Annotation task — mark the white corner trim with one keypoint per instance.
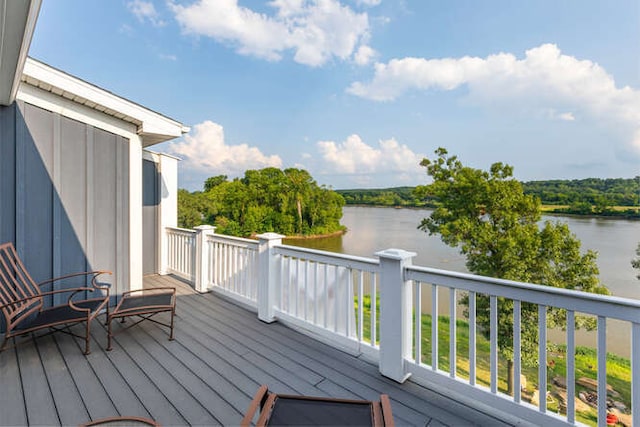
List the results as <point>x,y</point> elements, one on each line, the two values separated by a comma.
<point>30,25</point>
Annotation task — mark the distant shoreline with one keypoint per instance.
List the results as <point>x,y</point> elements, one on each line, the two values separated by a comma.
<point>545,210</point>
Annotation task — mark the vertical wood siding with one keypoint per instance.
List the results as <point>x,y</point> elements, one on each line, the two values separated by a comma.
<point>63,194</point>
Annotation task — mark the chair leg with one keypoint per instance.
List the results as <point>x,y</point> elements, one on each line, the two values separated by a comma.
<point>173,313</point>
<point>109,334</point>
<point>87,338</point>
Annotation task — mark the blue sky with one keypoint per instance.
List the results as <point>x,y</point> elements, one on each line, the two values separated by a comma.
<point>359,91</point>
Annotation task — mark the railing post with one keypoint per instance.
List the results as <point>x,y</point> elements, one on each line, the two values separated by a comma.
<point>201,255</point>
<point>268,276</point>
<point>395,313</point>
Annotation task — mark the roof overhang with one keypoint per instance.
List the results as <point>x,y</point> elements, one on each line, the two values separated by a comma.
<point>152,127</point>
<point>17,22</point>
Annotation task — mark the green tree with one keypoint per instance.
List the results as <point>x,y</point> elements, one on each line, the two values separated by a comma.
<point>636,262</point>
<point>214,181</point>
<point>495,224</point>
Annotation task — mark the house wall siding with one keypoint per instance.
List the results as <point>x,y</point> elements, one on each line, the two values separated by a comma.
<point>64,194</point>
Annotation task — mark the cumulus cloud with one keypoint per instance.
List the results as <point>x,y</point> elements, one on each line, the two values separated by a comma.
<point>204,149</point>
<point>544,78</point>
<point>353,156</point>
<point>369,2</point>
<point>316,31</point>
<point>145,11</point>
<point>364,55</point>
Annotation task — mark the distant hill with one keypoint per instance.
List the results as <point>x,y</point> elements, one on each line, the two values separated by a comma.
<point>592,196</point>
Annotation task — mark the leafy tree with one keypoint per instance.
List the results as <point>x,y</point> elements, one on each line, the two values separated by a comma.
<point>495,225</point>
<point>288,202</point>
<point>636,262</point>
<point>214,181</point>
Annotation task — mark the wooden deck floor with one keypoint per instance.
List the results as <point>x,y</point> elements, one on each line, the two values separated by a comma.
<point>207,376</point>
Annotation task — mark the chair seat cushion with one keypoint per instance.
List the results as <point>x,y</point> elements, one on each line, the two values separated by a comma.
<point>61,314</point>
<point>145,303</point>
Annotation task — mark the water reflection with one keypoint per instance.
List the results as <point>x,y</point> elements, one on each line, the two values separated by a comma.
<point>375,229</point>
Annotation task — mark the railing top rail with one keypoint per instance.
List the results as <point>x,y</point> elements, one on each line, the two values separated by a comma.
<point>232,239</point>
<point>602,305</point>
<point>181,230</point>
<point>350,261</point>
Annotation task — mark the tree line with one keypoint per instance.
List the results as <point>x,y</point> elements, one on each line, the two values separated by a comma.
<point>591,196</point>
<point>287,201</point>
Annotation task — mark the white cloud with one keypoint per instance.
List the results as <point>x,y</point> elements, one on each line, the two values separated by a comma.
<point>354,156</point>
<point>568,117</point>
<point>145,11</point>
<point>364,55</point>
<point>316,31</point>
<point>369,2</point>
<point>204,149</point>
<point>168,57</point>
<point>543,79</point>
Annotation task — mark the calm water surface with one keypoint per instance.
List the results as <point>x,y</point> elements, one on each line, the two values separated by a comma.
<point>373,229</point>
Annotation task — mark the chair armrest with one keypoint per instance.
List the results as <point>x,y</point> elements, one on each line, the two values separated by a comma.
<point>255,404</point>
<point>42,294</point>
<point>84,273</point>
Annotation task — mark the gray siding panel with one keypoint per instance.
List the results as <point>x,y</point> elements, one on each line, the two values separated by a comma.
<point>104,195</point>
<point>34,213</point>
<point>64,195</point>
<point>72,190</point>
<point>7,173</point>
<point>150,201</point>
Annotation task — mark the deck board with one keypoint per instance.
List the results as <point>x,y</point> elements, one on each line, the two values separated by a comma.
<point>206,376</point>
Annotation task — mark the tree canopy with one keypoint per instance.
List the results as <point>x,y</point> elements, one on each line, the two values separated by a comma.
<point>287,201</point>
<point>496,226</point>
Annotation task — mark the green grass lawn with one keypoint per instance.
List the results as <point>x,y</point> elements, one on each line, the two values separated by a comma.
<point>618,368</point>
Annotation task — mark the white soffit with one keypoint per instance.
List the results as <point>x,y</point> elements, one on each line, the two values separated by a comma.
<point>153,127</point>
<point>17,22</point>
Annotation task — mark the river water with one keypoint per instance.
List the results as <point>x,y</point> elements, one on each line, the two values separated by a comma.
<point>372,229</point>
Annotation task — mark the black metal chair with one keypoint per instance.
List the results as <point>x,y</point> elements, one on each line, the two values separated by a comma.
<point>144,303</point>
<point>282,410</point>
<point>22,301</point>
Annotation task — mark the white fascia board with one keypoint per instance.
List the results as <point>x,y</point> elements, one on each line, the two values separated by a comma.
<point>17,23</point>
<point>153,127</point>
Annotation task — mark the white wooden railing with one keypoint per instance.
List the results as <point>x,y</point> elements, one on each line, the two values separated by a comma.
<point>331,295</point>
<point>181,255</point>
<point>233,267</point>
<point>544,297</point>
<point>375,307</point>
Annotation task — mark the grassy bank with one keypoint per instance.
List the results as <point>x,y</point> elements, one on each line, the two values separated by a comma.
<point>618,368</point>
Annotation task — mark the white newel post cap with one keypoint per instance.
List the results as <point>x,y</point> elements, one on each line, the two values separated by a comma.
<point>270,236</point>
<point>395,254</point>
<point>205,227</point>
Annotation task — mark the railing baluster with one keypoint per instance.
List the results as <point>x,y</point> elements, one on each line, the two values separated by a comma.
<point>326,295</point>
<point>336,295</point>
<point>315,293</point>
<point>493,303</point>
<point>348,306</point>
<point>542,358</point>
<point>517,356</point>
<point>472,338</point>
<point>361,306</point>
<point>571,367</point>
<point>434,327</point>
<point>635,373</point>
<point>374,308</point>
<point>417,308</point>
<point>452,332</point>
<point>306,290</point>
<point>602,371</point>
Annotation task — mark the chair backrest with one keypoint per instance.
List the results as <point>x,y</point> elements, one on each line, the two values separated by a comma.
<point>15,285</point>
